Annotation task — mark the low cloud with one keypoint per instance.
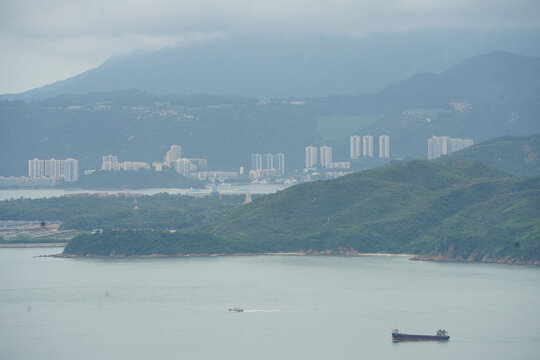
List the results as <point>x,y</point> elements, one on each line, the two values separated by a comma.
<point>82,34</point>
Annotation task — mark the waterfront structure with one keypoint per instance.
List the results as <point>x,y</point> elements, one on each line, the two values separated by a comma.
<point>367,141</point>
<point>325,155</point>
<point>443,145</point>
<point>355,147</point>
<point>384,147</point>
<point>216,175</point>
<point>311,157</point>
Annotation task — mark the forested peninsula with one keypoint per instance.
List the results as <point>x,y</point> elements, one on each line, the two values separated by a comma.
<point>463,210</point>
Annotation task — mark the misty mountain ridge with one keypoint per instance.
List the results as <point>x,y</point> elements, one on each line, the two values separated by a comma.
<point>290,67</point>
<point>481,98</point>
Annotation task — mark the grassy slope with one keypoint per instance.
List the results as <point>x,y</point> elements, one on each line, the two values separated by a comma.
<point>339,127</point>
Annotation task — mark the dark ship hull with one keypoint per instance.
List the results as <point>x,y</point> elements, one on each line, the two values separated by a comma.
<point>410,337</point>
<point>441,336</point>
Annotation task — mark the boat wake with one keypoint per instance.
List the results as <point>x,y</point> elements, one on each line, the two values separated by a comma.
<point>276,310</point>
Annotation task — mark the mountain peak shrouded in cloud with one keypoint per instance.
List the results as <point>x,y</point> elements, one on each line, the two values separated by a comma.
<point>285,67</point>
<point>45,41</point>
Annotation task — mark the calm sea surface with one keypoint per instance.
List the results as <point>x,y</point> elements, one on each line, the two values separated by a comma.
<point>296,307</point>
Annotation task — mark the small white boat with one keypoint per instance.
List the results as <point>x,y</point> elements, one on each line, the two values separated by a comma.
<point>237,309</point>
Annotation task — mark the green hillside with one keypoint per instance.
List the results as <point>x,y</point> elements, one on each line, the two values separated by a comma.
<point>519,155</point>
<point>462,210</point>
<point>124,211</point>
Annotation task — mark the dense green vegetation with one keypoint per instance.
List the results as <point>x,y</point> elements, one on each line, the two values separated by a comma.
<point>88,212</point>
<point>518,155</point>
<point>461,210</point>
<point>145,242</point>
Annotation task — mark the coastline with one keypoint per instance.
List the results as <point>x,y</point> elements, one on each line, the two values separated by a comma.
<point>485,260</point>
<point>413,257</point>
<point>299,253</point>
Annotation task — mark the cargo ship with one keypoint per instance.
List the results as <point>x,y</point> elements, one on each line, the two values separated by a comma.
<point>441,335</point>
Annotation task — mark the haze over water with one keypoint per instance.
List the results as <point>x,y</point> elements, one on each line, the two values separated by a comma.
<point>296,307</point>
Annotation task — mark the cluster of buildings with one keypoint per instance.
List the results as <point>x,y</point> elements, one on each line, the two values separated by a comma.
<point>324,160</point>
<point>51,172</point>
<point>110,163</point>
<point>443,145</point>
<point>66,170</point>
<point>45,173</point>
<point>362,146</point>
<point>191,167</point>
<point>332,169</point>
<point>267,165</point>
<point>188,167</point>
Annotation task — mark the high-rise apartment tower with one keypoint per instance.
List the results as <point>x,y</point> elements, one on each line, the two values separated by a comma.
<point>355,147</point>
<point>384,147</point>
<point>311,157</point>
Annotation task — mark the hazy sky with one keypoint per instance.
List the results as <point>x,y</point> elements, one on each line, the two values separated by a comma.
<point>43,41</point>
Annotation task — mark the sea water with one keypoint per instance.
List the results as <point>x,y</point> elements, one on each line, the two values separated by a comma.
<point>296,307</point>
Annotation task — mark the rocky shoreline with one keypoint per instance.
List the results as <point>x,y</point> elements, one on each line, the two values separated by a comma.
<point>299,253</point>
<point>487,260</point>
<point>435,258</point>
